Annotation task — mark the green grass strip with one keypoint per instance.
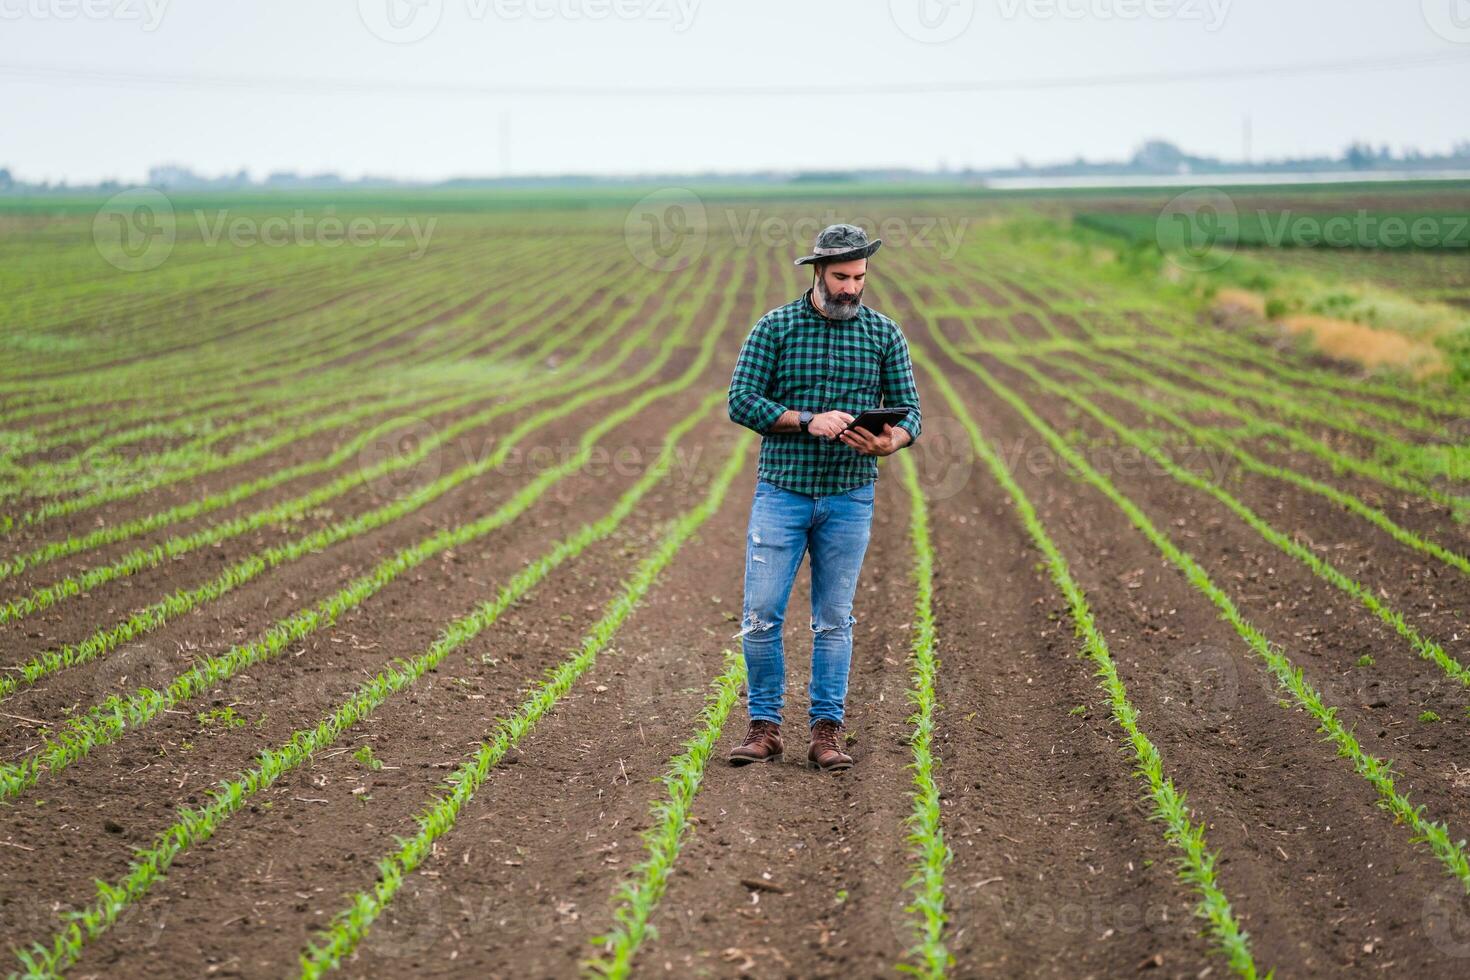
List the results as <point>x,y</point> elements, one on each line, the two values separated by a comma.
<point>928,956</point>
<point>640,894</point>
<point>149,865</point>
<point>1289,677</point>
<point>1196,863</point>
<point>349,926</point>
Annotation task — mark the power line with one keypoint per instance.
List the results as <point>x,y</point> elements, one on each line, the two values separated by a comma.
<point>102,76</point>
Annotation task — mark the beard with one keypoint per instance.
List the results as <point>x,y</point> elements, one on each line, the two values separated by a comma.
<point>842,306</point>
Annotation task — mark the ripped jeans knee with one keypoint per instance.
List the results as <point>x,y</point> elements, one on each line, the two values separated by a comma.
<point>831,624</point>
<point>759,623</point>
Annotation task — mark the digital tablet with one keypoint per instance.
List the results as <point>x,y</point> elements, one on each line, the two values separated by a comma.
<point>875,418</point>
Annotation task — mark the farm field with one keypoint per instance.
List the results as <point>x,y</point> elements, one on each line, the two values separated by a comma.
<point>371,610</point>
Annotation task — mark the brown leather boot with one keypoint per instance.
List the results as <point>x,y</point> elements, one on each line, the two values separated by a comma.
<point>762,744</point>
<point>827,742</point>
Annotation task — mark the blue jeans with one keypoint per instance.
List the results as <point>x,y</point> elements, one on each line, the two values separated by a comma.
<point>785,525</point>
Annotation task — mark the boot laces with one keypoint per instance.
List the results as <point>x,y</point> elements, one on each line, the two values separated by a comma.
<point>756,732</point>
<point>824,734</point>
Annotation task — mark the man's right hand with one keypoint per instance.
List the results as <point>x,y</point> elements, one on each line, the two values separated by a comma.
<point>829,425</point>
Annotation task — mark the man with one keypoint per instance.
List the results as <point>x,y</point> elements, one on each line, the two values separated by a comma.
<point>806,370</point>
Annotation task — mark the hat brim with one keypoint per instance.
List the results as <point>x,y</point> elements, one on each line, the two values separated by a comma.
<point>861,252</point>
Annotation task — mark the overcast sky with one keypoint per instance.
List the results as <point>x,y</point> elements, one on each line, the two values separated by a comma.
<point>427,106</point>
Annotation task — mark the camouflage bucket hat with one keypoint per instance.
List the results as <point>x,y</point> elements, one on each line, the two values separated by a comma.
<point>840,243</point>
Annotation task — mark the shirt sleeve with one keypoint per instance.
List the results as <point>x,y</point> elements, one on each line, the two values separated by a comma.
<point>899,389</point>
<point>749,404</point>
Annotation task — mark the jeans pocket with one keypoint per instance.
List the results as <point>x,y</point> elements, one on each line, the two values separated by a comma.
<point>863,494</point>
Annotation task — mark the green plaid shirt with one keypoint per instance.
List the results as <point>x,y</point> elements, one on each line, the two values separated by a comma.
<point>797,358</point>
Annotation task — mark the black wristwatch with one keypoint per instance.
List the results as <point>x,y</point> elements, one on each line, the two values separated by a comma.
<point>805,418</point>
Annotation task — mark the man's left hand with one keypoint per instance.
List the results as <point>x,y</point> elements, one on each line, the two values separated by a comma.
<point>890,441</point>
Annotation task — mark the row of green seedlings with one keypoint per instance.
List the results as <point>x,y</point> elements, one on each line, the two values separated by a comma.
<point>285,329</point>
<point>199,407</point>
<point>1331,400</point>
<point>1395,454</point>
<point>569,332</point>
<point>1217,345</point>
<point>1180,319</point>
<point>1220,439</point>
<point>1426,648</point>
<point>170,607</point>
<point>637,897</point>
<point>50,958</point>
<point>1340,462</point>
<point>349,926</point>
<point>419,400</point>
<point>216,291</point>
<point>59,298</point>
<point>1196,863</point>
<point>1017,359</point>
<point>253,394</point>
<point>1389,449</point>
<point>223,304</point>
<point>507,400</point>
<point>928,957</point>
<point>1290,678</point>
<point>316,330</point>
<point>107,721</point>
